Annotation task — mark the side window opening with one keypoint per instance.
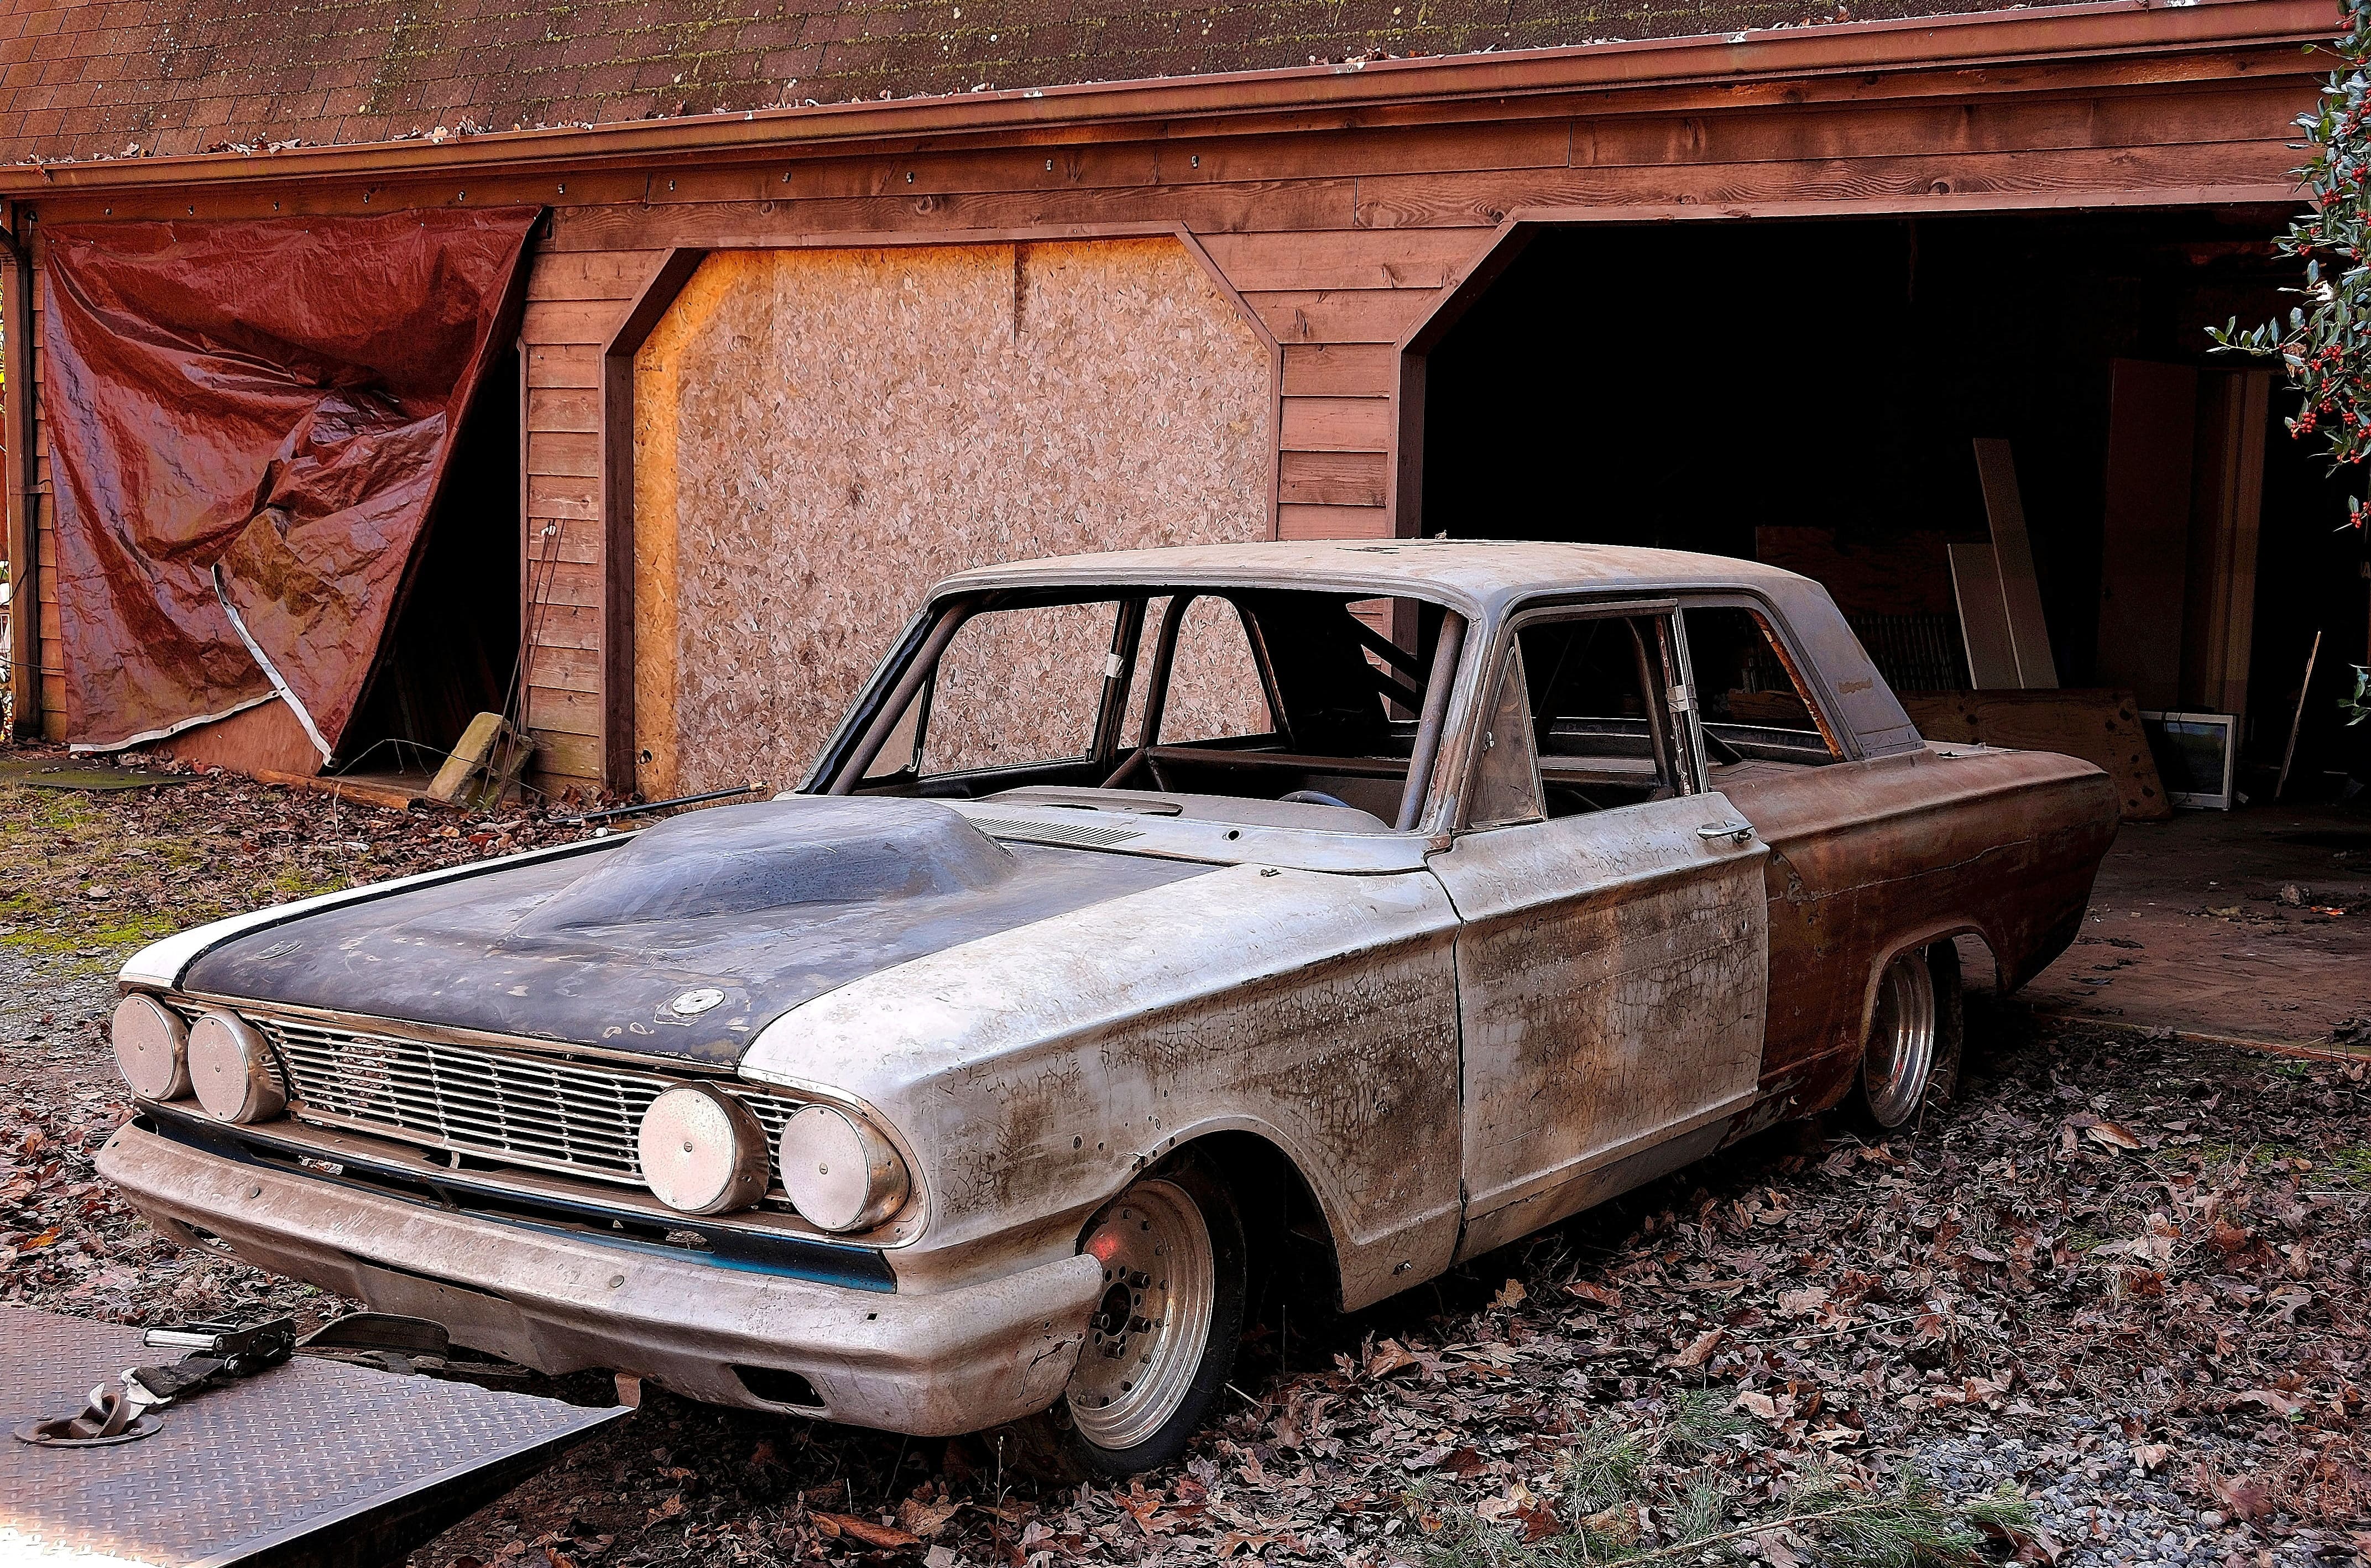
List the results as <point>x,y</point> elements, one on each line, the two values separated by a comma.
<point>1215,691</point>
<point>1016,686</point>
<point>1754,703</point>
<point>1604,728</point>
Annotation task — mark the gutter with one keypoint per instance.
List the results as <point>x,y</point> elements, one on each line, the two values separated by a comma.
<point>1302,97</point>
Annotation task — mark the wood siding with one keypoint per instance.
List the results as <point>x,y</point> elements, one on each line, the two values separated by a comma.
<point>1344,237</point>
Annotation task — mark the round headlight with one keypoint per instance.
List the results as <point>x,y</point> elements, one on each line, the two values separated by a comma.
<point>702,1150</point>
<point>152,1048</point>
<point>838,1170</point>
<point>232,1071</point>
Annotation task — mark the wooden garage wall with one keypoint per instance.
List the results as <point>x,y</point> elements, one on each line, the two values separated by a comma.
<point>1343,242</point>
<point>1342,236</point>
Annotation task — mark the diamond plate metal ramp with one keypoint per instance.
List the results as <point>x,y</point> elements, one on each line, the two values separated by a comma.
<point>315,1462</point>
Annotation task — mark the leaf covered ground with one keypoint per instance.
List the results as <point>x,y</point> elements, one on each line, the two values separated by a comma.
<point>2110,1307</point>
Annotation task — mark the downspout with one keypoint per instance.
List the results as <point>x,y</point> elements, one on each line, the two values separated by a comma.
<point>24,652</point>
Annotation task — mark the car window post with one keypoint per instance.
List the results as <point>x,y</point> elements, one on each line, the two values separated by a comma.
<point>1685,707</point>
<point>884,723</point>
<point>1446,648</point>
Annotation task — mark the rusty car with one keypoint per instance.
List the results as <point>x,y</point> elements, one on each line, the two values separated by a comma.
<point>1150,917</point>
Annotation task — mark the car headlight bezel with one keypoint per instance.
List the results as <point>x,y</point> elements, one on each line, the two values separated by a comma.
<point>152,1047</point>
<point>840,1171</point>
<point>702,1151</point>
<point>232,1070</point>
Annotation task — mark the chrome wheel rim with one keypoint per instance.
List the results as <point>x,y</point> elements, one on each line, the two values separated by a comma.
<point>1900,1054</point>
<point>1146,1336</point>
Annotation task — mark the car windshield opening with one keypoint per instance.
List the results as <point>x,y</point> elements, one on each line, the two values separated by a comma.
<point>1287,708</point>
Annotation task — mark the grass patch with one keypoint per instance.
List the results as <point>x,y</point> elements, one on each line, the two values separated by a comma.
<point>1698,1518</point>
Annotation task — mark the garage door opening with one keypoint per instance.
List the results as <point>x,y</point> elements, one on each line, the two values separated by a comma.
<point>1810,394</point>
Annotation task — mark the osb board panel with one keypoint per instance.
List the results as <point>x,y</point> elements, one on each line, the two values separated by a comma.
<point>2100,727</point>
<point>821,434</point>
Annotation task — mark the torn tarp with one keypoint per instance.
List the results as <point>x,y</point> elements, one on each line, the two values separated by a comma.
<point>249,422</point>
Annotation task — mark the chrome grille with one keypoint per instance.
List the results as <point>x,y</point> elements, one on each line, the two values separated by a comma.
<point>519,1109</point>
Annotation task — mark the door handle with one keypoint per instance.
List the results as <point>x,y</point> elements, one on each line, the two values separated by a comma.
<point>1735,831</point>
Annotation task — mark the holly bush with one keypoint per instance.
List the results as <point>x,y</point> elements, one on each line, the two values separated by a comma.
<point>2325,343</point>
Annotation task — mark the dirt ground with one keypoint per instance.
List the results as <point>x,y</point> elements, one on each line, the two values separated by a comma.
<point>2109,1305</point>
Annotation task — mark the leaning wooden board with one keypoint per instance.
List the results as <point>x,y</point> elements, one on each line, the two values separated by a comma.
<point>2103,727</point>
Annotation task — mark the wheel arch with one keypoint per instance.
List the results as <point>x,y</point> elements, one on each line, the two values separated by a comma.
<point>1285,1218</point>
<point>1917,939</point>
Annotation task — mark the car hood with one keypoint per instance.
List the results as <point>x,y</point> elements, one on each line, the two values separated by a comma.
<point>684,940</point>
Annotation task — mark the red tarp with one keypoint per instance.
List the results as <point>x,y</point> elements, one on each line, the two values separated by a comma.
<point>258,414</point>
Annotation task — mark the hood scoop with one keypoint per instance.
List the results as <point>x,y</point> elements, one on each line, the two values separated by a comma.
<point>788,854</point>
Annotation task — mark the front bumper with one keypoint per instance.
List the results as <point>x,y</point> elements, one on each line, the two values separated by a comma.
<point>932,1365</point>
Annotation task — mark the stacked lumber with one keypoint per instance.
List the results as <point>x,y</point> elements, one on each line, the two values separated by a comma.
<point>2099,726</point>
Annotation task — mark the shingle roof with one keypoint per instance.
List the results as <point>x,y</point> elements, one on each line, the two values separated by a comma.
<point>102,78</point>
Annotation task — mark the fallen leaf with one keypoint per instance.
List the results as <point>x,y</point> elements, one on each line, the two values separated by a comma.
<point>1511,1294</point>
<point>923,1520</point>
<point>1596,1295</point>
<point>870,1534</point>
<point>1700,1350</point>
<point>2110,1134</point>
<point>1389,1357</point>
<point>2280,1404</point>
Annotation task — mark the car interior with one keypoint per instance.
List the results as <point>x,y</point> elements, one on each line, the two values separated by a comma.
<point>1300,709</point>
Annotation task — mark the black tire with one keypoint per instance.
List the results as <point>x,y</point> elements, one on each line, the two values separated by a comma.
<point>1159,1433</point>
<point>1895,1080</point>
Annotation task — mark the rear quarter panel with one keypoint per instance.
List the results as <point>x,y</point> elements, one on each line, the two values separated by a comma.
<point>1868,859</point>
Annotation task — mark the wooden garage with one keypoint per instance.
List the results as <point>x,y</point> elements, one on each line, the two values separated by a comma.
<point>776,365</point>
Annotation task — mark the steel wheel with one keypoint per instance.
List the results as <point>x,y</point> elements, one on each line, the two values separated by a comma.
<point>1899,1057</point>
<point>1146,1340</point>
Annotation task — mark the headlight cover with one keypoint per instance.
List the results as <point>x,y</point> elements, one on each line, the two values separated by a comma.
<point>838,1170</point>
<point>232,1070</point>
<point>152,1047</point>
<point>702,1151</point>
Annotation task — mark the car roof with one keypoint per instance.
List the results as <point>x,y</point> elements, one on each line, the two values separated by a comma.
<point>1477,577</point>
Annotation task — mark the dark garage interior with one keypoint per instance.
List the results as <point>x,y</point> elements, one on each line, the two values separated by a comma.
<point>1809,394</point>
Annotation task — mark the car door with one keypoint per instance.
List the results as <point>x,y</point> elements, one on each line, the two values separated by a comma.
<point>1612,945</point>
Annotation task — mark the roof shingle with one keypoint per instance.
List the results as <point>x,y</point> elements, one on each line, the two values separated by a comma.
<point>80,80</point>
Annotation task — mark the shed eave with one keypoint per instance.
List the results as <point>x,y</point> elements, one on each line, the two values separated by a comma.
<point>1321,96</point>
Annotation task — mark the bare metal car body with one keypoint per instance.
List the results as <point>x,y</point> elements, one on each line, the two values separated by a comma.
<point>1431,1032</point>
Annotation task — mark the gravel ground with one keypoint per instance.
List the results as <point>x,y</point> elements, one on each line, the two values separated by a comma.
<point>2123,1278</point>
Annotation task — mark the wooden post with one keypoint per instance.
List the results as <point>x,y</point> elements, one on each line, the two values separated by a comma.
<point>17,433</point>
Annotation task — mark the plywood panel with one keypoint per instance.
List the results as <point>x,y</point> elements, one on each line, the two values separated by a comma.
<point>2145,542</point>
<point>2102,727</point>
<point>820,435</point>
